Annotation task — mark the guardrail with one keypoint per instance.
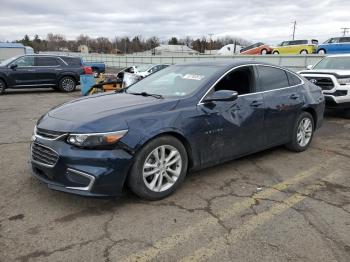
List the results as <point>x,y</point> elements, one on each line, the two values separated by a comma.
<point>293,62</point>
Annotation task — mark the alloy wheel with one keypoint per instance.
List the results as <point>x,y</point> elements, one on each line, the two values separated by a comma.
<point>162,168</point>
<point>68,84</point>
<point>304,132</point>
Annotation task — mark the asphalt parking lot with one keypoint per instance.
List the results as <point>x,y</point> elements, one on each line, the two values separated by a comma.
<point>271,206</point>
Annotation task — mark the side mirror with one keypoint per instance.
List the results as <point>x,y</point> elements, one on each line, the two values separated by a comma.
<point>13,66</point>
<point>222,95</point>
<point>309,67</point>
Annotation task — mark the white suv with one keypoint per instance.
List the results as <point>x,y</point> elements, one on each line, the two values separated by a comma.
<point>332,74</point>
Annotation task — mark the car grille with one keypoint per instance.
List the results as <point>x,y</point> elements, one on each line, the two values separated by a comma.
<point>48,134</point>
<point>44,155</point>
<point>325,83</point>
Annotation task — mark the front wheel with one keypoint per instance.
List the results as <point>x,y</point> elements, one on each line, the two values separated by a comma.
<point>303,132</point>
<point>67,84</point>
<point>159,168</point>
<point>2,87</point>
<point>276,53</point>
<point>321,52</point>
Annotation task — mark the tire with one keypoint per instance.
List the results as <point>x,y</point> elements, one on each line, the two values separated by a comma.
<point>158,183</point>
<point>276,53</point>
<point>67,84</point>
<point>304,52</point>
<point>303,132</point>
<point>321,52</point>
<point>263,52</point>
<point>2,87</point>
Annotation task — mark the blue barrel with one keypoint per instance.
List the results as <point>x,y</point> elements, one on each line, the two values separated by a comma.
<point>86,82</point>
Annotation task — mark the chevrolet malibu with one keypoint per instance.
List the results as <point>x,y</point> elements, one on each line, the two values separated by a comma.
<point>185,117</point>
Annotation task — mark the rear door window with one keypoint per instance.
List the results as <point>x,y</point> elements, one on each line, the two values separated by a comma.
<point>46,61</point>
<point>271,78</point>
<point>344,40</point>
<point>293,79</point>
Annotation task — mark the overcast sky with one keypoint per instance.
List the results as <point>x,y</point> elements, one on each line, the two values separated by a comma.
<point>255,20</point>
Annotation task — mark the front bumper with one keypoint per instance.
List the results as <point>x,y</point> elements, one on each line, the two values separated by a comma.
<point>98,173</point>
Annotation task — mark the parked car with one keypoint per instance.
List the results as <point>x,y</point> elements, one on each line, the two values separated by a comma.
<point>35,71</point>
<point>141,70</point>
<point>148,69</point>
<point>332,74</point>
<point>334,46</point>
<point>256,49</point>
<point>295,47</point>
<point>185,117</point>
<point>97,67</point>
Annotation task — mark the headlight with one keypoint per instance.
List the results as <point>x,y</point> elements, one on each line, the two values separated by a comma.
<point>96,139</point>
<point>344,81</point>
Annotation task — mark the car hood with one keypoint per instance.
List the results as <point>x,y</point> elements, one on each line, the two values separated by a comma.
<point>102,113</point>
<point>326,71</point>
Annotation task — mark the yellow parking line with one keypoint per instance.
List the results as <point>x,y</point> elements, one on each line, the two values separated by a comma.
<point>221,243</point>
<point>167,243</point>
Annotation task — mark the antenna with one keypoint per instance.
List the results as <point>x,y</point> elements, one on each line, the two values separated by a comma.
<point>294,28</point>
<point>345,30</point>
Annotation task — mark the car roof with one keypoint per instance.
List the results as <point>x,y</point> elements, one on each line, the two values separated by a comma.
<point>225,64</point>
<point>61,56</point>
<point>340,55</point>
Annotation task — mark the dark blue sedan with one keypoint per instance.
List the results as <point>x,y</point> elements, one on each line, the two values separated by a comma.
<point>185,117</point>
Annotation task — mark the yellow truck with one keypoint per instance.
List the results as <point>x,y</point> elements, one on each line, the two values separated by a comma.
<point>296,47</point>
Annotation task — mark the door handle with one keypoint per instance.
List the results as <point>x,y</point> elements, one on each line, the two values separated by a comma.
<point>30,70</point>
<point>294,96</point>
<point>256,103</point>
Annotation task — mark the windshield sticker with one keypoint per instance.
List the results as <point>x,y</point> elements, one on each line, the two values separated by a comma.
<point>193,77</point>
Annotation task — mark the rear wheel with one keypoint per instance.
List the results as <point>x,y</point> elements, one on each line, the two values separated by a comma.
<point>303,132</point>
<point>67,84</point>
<point>264,52</point>
<point>2,87</point>
<point>159,168</point>
<point>304,52</point>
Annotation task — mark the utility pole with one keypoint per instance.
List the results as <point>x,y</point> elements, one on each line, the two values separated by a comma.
<point>345,30</point>
<point>294,28</point>
<point>210,35</point>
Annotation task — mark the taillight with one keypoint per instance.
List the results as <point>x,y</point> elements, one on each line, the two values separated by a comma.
<point>87,70</point>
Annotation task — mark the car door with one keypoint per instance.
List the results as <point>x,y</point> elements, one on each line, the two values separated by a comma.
<point>46,68</point>
<point>21,72</point>
<point>334,46</point>
<point>344,44</point>
<point>282,103</point>
<point>285,48</point>
<point>238,124</point>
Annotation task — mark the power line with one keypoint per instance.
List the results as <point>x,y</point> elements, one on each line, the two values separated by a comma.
<point>345,30</point>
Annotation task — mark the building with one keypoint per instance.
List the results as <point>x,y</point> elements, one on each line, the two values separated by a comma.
<point>8,50</point>
<point>83,49</point>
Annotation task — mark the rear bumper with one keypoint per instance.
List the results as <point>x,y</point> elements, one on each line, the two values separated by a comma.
<point>96,173</point>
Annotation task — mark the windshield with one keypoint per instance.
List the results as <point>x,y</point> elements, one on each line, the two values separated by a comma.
<point>337,63</point>
<point>143,68</point>
<point>174,81</point>
<point>7,61</point>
